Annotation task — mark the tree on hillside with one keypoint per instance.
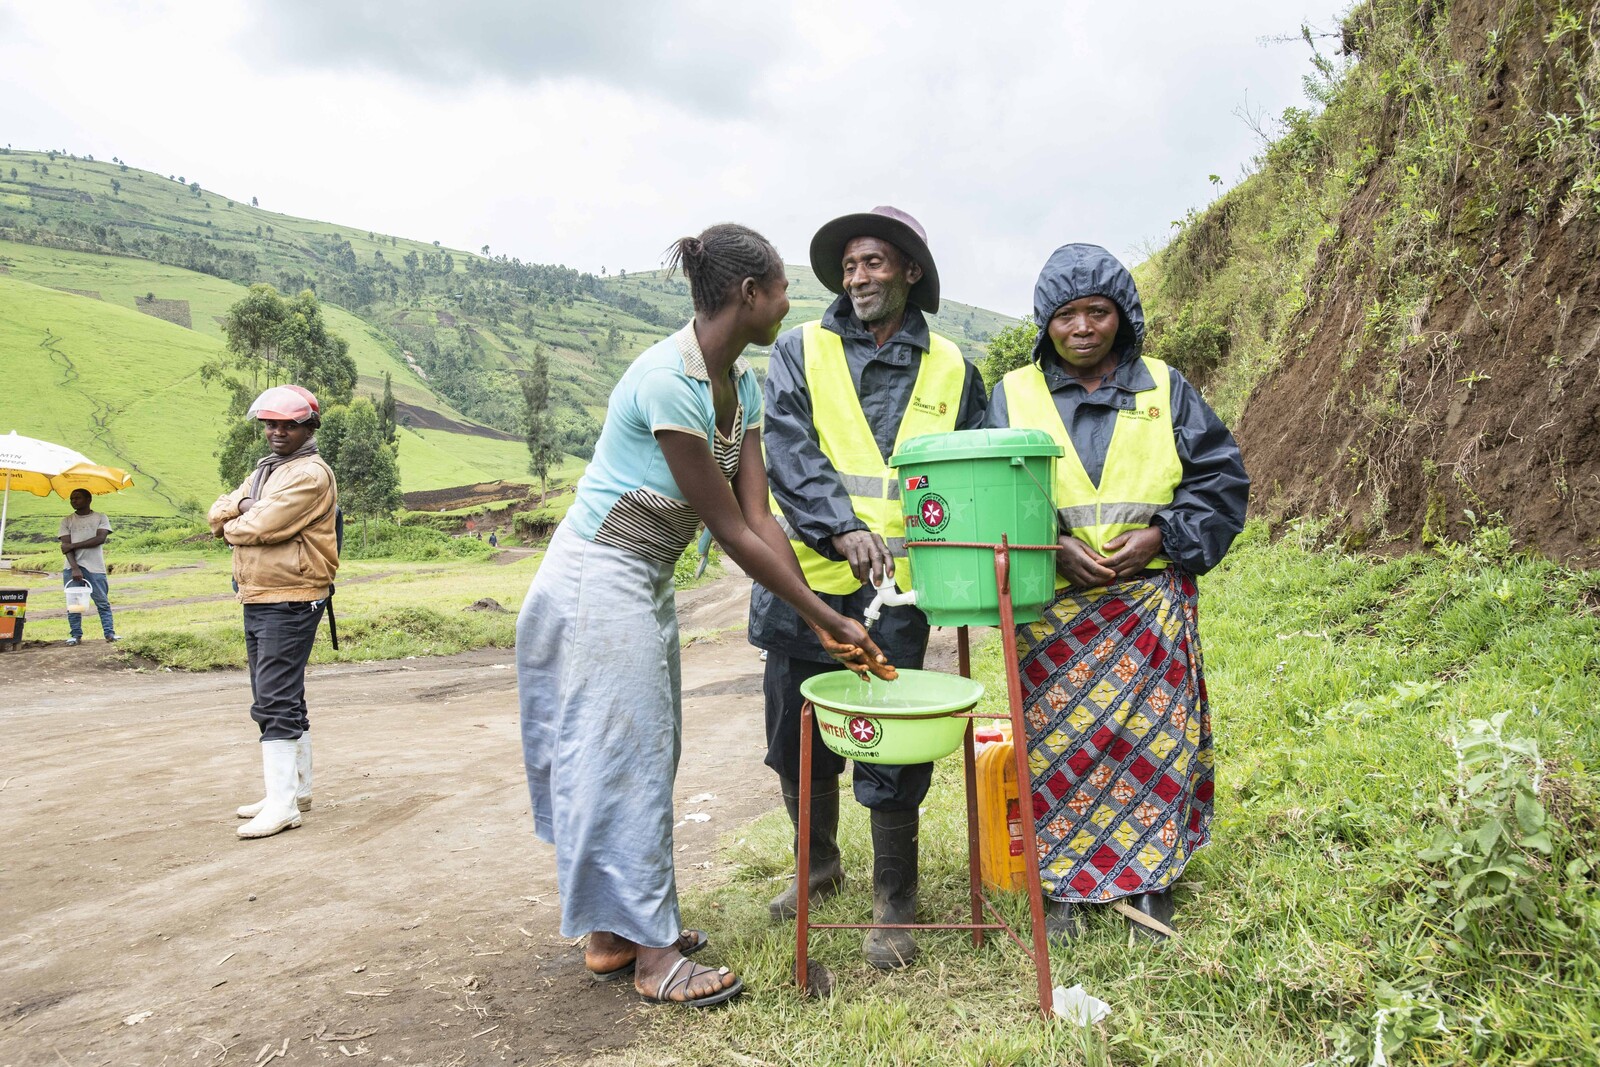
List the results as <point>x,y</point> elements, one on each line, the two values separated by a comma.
<point>1009,349</point>
<point>386,409</point>
<point>538,425</point>
<point>194,187</point>
<point>351,442</point>
<point>116,187</point>
<point>486,251</point>
<point>13,173</point>
<point>254,202</point>
<point>271,341</point>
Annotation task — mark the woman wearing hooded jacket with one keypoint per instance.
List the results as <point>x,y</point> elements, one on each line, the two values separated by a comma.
<point>1150,494</point>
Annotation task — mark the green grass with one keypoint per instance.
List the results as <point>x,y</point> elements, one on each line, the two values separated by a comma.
<point>119,386</point>
<point>388,608</point>
<point>1311,910</point>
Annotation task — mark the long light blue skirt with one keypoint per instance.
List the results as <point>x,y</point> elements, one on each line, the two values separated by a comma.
<point>602,723</point>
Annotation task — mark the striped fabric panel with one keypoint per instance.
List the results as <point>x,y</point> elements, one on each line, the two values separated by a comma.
<point>649,524</point>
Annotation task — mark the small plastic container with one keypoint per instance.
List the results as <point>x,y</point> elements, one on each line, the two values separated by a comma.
<point>78,597</point>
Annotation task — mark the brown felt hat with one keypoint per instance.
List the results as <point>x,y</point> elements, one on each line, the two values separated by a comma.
<point>889,224</point>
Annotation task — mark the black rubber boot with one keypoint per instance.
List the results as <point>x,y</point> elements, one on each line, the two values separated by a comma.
<point>894,889</point>
<point>827,876</point>
<point>1158,906</point>
<point>1063,922</point>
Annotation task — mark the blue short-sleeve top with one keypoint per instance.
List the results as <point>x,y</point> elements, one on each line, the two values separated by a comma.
<point>627,498</point>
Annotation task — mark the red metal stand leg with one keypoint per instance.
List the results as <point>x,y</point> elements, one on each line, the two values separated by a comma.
<point>802,858</point>
<point>1019,746</point>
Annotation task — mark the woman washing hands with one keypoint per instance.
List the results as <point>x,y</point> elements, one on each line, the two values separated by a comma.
<point>597,637</point>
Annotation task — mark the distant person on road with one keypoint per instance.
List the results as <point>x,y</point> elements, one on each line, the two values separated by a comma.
<point>841,394</point>
<point>1150,494</point>
<point>282,526</point>
<point>494,540</point>
<point>82,534</point>
<point>597,638</point>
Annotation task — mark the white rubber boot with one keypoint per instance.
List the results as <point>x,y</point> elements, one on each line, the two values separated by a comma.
<point>302,796</point>
<point>279,811</point>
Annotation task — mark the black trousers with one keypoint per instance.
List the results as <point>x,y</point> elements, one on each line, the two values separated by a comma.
<point>277,642</point>
<point>877,785</point>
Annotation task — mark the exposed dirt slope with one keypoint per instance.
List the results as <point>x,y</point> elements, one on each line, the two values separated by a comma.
<point>1452,367</point>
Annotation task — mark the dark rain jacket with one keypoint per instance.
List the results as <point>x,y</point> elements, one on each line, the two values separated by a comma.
<point>807,487</point>
<point>1207,511</point>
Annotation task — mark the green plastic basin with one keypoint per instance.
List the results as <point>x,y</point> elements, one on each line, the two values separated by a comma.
<point>908,720</point>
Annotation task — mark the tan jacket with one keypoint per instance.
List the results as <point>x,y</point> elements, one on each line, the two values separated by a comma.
<point>284,547</point>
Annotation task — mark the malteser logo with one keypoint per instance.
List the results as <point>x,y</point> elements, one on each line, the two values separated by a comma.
<point>864,732</point>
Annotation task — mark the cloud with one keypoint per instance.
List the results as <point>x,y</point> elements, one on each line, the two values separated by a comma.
<point>675,49</point>
<point>597,134</point>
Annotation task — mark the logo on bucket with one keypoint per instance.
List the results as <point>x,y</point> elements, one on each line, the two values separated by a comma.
<point>864,732</point>
<point>919,481</point>
<point>935,513</point>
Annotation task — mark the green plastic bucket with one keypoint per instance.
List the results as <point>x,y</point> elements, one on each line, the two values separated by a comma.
<point>977,485</point>
<point>904,721</point>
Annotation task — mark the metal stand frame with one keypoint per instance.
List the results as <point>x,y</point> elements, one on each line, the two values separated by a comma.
<point>1040,951</point>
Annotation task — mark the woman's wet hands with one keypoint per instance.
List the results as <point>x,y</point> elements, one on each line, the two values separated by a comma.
<point>1082,565</point>
<point>847,642</point>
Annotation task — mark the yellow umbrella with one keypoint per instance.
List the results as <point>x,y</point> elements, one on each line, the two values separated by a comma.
<point>42,468</point>
<point>93,477</point>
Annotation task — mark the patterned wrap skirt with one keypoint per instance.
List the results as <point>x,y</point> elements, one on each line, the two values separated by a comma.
<point>602,722</point>
<point>1119,737</point>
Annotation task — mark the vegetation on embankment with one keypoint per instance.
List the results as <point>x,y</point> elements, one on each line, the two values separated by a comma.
<point>1399,312</point>
<point>1404,856</point>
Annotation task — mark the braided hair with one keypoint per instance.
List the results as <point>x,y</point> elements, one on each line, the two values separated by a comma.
<point>719,260</point>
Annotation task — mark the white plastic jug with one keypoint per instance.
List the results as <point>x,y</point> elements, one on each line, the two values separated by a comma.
<point>78,598</point>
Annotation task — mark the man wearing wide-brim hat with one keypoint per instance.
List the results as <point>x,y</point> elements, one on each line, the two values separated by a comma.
<point>840,394</point>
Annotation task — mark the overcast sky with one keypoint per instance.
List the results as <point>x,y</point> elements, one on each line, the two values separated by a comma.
<point>594,133</point>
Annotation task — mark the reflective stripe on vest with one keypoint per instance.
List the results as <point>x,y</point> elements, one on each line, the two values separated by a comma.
<point>846,439</point>
<point>1142,468</point>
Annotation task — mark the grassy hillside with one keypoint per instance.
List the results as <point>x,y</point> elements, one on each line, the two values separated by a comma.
<point>469,324</point>
<point>1400,311</point>
<point>122,385</point>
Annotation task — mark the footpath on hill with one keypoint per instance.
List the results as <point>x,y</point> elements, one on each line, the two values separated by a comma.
<point>414,916</point>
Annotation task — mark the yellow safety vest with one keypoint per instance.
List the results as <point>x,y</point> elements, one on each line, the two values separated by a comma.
<point>847,441</point>
<point>1142,468</point>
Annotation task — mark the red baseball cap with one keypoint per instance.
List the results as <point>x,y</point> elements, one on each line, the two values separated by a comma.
<point>292,403</point>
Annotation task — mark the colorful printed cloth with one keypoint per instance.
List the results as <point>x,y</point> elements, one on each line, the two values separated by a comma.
<point>1119,737</point>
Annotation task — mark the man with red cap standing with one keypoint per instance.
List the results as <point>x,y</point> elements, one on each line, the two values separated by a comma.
<point>841,394</point>
<point>282,526</point>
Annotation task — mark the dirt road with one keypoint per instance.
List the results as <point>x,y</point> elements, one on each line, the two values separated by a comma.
<point>413,917</point>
